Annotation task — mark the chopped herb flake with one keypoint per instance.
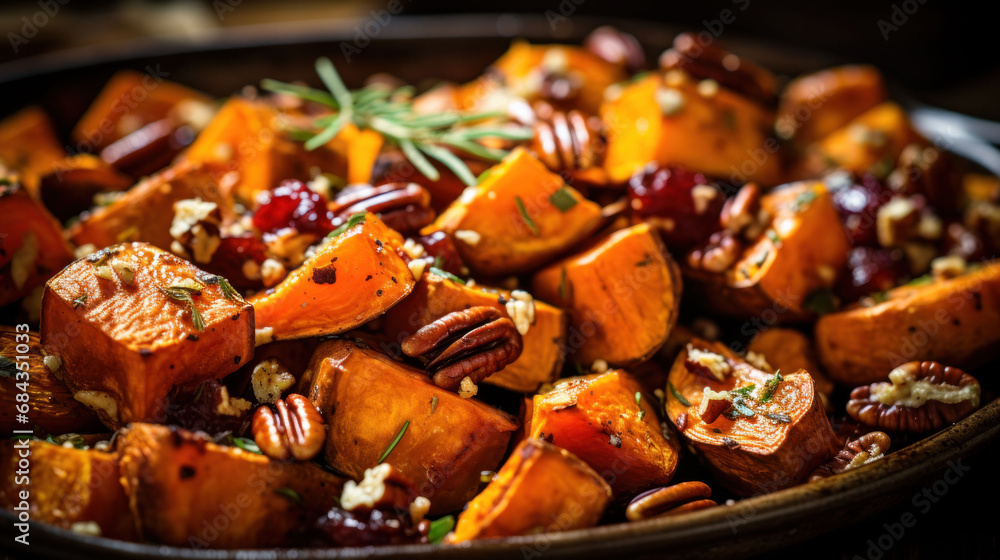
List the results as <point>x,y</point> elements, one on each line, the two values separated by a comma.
<point>434,403</point>
<point>354,220</point>
<point>183,293</point>
<point>680,398</point>
<point>248,445</point>
<point>744,391</point>
<point>223,284</point>
<point>740,408</point>
<point>524,216</point>
<point>821,302</point>
<point>803,200</point>
<point>392,445</point>
<point>80,300</point>
<point>770,387</point>
<point>483,176</point>
<point>773,236</point>
<point>8,367</point>
<point>440,528</point>
<point>778,417</point>
<point>562,199</point>
<point>292,495</point>
<point>448,275</point>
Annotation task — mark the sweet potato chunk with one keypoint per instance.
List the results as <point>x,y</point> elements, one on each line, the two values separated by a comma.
<point>791,350</point>
<point>801,253</point>
<point>50,405</point>
<point>145,212</point>
<point>446,442</point>
<point>815,105</point>
<point>609,423</point>
<point>949,321</point>
<point>352,279</point>
<point>67,486</point>
<point>540,489</point>
<point>32,247</point>
<point>622,294</point>
<point>724,135</point>
<point>519,217</point>
<point>434,297</point>
<point>180,484</point>
<point>69,186</point>
<point>758,433</point>
<point>138,321</point>
<point>28,143</point>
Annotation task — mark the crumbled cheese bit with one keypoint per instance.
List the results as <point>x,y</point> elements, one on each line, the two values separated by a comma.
<point>53,363</point>
<point>178,249</point>
<point>930,227</point>
<point>715,363</point>
<point>263,336</point>
<point>189,212</point>
<point>84,250</point>
<point>702,195</point>
<point>674,78</point>
<point>468,236</point>
<point>270,379</point>
<point>948,267</point>
<point>89,528</point>
<point>251,270</point>
<point>599,366</point>
<point>468,195</point>
<point>100,402</point>
<point>419,508</point>
<point>468,388</point>
<point>23,261</point>
<point>272,272</point>
<point>369,491</point>
<point>758,361</point>
<point>521,308</point>
<point>413,249</point>
<point>708,88</point>
<point>203,244</point>
<point>670,100</point>
<point>417,267</point>
<point>231,406</point>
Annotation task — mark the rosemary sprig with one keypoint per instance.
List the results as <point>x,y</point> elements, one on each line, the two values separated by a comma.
<point>183,293</point>
<point>390,113</point>
<point>392,445</point>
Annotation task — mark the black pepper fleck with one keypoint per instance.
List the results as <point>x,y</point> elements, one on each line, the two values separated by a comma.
<point>236,359</point>
<point>145,352</point>
<point>367,278</point>
<point>192,337</point>
<point>187,472</point>
<point>378,293</point>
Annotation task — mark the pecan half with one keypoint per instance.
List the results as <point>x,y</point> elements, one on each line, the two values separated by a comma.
<point>867,448</point>
<point>669,500</point>
<point>405,207</point>
<point>718,254</point>
<point>921,397</point>
<point>295,430</point>
<point>709,61</point>
<point>473,343</point>
<point>564,140</point>
<point>742,213</point>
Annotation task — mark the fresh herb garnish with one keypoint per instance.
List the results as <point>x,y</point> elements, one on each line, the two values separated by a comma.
<point>740,407</point>
<point>248,445</point>
<point>773,236</point>
<point>183,293</point>
<point>645,261</point>
<point>770,387</point>
<point>390,113</point>
<point>484,175</point>
<point>680,398</point>
<point>562,199</point>
<point>524,216</point>
<point>392,445</point>
<point>440,528</point>
<point>743,391</point>
<point>821,301</point>
<point>803,199</point>
<point>8,367</point>
<point>292,495</point>
<point>638,401</point>
<point>354,220</point>
<point>223,284</point>
<point>76,440</point>
<point>778,417</point>
<point>446,274</point>
<point>80,300</point>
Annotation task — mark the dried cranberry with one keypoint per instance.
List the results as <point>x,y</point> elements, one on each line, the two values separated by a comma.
<point>871,270</point>
<point>348,528</point>
<point>293,204</point>
<point>197,408</point>
<point>686,217</point>
<point>858,205</point>
<point>233,252</point>
<point>442,250</point>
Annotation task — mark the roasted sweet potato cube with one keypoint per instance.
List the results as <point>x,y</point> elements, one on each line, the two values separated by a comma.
<point>622,294</point>
<point>444,441</point>
<point>607,421</point>
<point>28,143</point>
<point>800,254</point>
<point>69,186</point>
<point>434,297</point>
<point>65,486</point>
<point>145,212</point>
<point>353,278</point>
<point>791,350</point>
<point>32,247</point>
<point>138,322</point>
<point>951,321</point>
<point>762,432</point>
<point>519,217</point>
<point>179,485</point>
<point>815,105</point>
<point>722,135</point>
<point>129,101</point>
<point>50,405</point>
<point>540,489</point>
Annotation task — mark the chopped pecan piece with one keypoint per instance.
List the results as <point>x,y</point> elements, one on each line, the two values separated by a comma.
<point>921,397</point>
<point>707,364</point>
<point>669,500</point>
<point>296,430</point>
<point>473,343</point>
<point>711,62</point>
<point>405,207</point>
<point>867,448</point>
<point>564,140</point>
<point>721,251</point>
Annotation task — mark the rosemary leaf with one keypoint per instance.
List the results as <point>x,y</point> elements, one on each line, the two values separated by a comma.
<point>354,220</point>
<point>331,79</point>
<point>302,92</point>
<point>419,160</point>
<point>292,495</point>
<point>440,528</point>
<point>680,398</point>
<point>328,133</point>
<point>524,216</point>
<point>392,445</point>
<point>451,161</point>
<point>446,274</point>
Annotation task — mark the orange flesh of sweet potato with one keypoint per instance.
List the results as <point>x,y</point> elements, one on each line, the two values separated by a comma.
<point>949,321</point>
<point>351,279</point>
<point>724,135</point>
<point>622,295</point>
<point>32,247</point>
<point>815,105</point>
<point>129,101</point>
<point>434,297</point>
<point>758,454</point>
<point>28,143</point>
<point>790,350</point>
<point>133,342</point>
<point>52,406</point>
<point>541,488</point>
<point>366,398</point>
<point>597,418</point>
<point>146,211</point>
<point>179,484</point>
<point>67,486</point>
<point>510,240</point>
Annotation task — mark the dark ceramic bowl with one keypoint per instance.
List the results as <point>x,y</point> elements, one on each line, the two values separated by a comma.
<point>458,48</point>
